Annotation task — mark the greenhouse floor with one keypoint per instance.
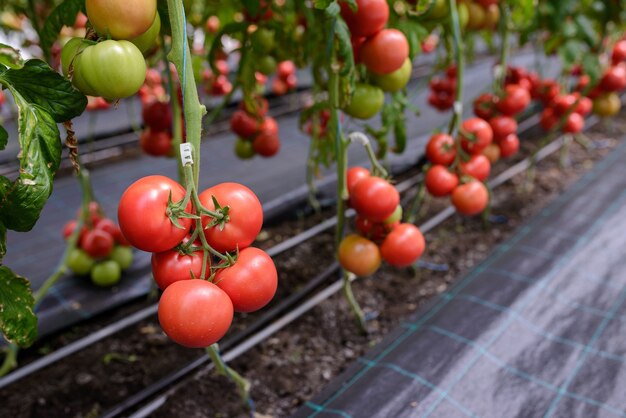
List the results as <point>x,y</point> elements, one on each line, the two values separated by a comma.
<point>537,329</point>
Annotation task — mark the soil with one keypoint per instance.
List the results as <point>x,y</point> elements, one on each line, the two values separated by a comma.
<point>295,363</point>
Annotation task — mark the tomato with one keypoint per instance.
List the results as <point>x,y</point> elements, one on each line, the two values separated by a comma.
<point>492,152</point>
<point>441,101</point>
<point>395,217</point>
<point>614,79</point>
<point>79,262</point>
<point>70,58</point>
<point>464,17</point>
<point>142,214</point>
<point>503,126</point>
<point>291,81</point>
<point>262,41</point>
<point>439,9</point>
<point>374,198</point>
<point>608,104</point>
<point>195,313</point>
<point>548,90</point>
<point>157,115</point>
<point>484,106</point>
<point>121,19</point>
<point>492,17</point>
<point>266,64</point>
<point>244,149</point>
<point>244,124</point>
<point>619,52</point>
<point>279,87</point>
<point>212,24</point>
<point>147,41</point>
<point>106,273</point>
<point>221,86</point>
<point>574,124</point>
<point>563,103</point>
<point>171,266</point>
<point>251,282</point>
<point>366,101</point>
<point>548,119</point>
<point>356,42</point>
<point>356,174</point>
<point>108,226</point>
<point>396,80</point>
<point>269,126</point>
<point>441,149</point>
<point>97,243</point>
<point>585,106</point>
<point>509,145</point>
<point>384,52</point>
<point>285,69</point>
<point>69,228</point>
<point>430,43</point>
<point>157,144</point>
<point>123,256</point>
<point>403,246</point>
<point>478,166</point>
<point>113,69</point>
<point>477,16</point>
<point>440,181</point>
<point>245,216</point>
<point>583,82</point>
<point>370,17</point>
<point>475,135</point>
<point>359,255</point>
<point>266,144</point>
<point>470,198</point>
<point>515,100</point>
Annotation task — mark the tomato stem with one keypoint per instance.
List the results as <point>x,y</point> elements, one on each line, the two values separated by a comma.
<point>377,168</point>
<point>500,70</point>
<point>243,386</point>
<point>10,359</point>
<point>352,302</point>
<point>460,67</point>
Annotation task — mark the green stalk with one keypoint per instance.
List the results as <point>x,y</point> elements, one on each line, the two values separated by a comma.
<point>243,386</point>
<point>460,67</point>
<point>505,35</point>
<point>177,127</point>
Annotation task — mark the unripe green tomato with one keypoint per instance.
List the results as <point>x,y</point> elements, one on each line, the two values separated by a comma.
<point>121,19</point>
<point>366,101</point>
<point>70,56</point>
<point>148,40</point>
<point>106,273</point>
<point>463,15</point>
<point>114,69</point>
<point>244,149</point>
<point>395,81</point>
<point>263,40</point>
<point>266,64</point>
<point>440,9</point>
<point>79,262</point>
<point>123,256</point>
<point>396,216</point>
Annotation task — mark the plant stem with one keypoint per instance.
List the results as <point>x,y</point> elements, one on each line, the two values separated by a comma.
<point>460,67</point>
<point>415,203</point>
<point>310,177</point>
<point>500,69</point>
<point>243,386</point>
<point>10,359</point>
<point>352,302</point>
<point>177,127</point>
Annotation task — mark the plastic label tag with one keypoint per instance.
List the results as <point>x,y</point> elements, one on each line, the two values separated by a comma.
<point>458,108</point>
<point>186,156</point>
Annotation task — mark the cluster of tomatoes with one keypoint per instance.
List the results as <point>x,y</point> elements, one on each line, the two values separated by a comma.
<point>257,133</point>
<point>113,68</point>
<point>443,90</point>
<point>214,84</point>
<point>156,138</point>
<point>102,252</point>
<point>200,294</point>
<point>381,234</point>
<point>285,79</point>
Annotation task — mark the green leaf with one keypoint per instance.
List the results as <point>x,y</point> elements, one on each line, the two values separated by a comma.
<point>62,15</point>
<point>39,84</point>
<point>3,242</point>
<point>18,322</point>
<point>586,29</point>
<point>333,10</point>
<point>592,67</point>
<point>4,138</point>
<point>322,4</point>
<point>10,57</point>
<point>570,52</point>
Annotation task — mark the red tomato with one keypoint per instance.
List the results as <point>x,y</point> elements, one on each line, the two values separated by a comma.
<point>375,231</point>
<point>385,52</point>
<point>584,107</point>
<point>440,181</point>
<point>492,152</point>
<point>441,149</point>
<point>266,144</point>
<point>509,146</point>
<point>257,106</point>
<point>172,266</point>
<point>548,119</point>
<point>475,134</point>
<point>356,174</point>
<point>614,79</point>
<point>157,115</point>
<point>107,225</point>
<point>619,52</point>
<point>563,103</point>
<point>548,90</point>
<point>285,69</point>
<point>370,17</point>
<point>95,213</point>
<point>574,124</point>
<point>279,87</point>
<point>484,106</point>
<point>69,228</point>
<point>470,198</point>
<point>515,100</point>
<point>251,282</point>
<point>403,246</point>
<point>157,144</point>
<point>142,214</point>
<point>502,126</point>
<point>374,198</point>
<point>195,313</point>
<point>245,216</point>
<point>244,124</point>
<point>359,255</point>
<point>478,166</point>
<point>97,243</point>
<point>356,47</point>
<point>583,82</point>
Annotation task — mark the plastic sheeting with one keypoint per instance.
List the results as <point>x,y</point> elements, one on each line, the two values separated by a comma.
<point>536,330</point>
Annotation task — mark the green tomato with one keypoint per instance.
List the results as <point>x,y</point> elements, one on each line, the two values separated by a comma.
<point>463,15</point>
<point>79,262</point>
<point>366,101</point>
<point>244,149</point>
<point>114,69</point>
<point>106,273</point>
<point>148,40</point>
<point>263,40</point>
<point>396,216</point>
<point>122,256</point>
<point>70,57</point>
<point>439,9</point>
<point>266,64</point>
<point>395,81</point>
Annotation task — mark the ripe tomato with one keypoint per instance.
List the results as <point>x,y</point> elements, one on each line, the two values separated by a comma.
<point>244,124</point>
<point>121,19</point>
<point>614,79</point>
<point>157,144</point>
<point>356,174</point>
<point>585,105</point>
<point>374,198</point>
<point>375,231</point>
<point>97,243</point>
<point>492,17</point>
<point>245,216</point>
<point>79,262</point>
<point>106,273</point>
<point>108,226</point>
<point>515,100</point>
<point>470,198</point>
<point>266,145</point>
<point>370,17</point>
<point>384,52</point>
<point>244,149</point>
<point>195,313</point>
<point>548,119</point>
<point>574,124</point>
<point>509,146</point>
<point>562,103</point>
<point>251,282</point>
<point>113,69</point>
<point>484,106</point>
<point>396,80</point>
<point>269,126</point>
<point>171,266</point>
<point>359,255</point>
<point>285,69</point>
<point>478,166</point>
<point>147,41</point>
<point>548,90</point>
<point>475,135</point>
<point>69,228</point>
<point>619,52</point>
<point>366,101</point>
<point>502,126</point>
<point>608,104</point>
<point>492,152</point>
<point>403,246</point>
<point>157,115</point>
<point>440,181</point>
<point>142,214</point>
<point>441,149</point>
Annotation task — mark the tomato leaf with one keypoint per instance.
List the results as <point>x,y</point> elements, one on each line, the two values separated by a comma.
<point>62,15</point>
<point>3,242</point>
<point>18,322</point>
<point>586,29</point>
<point>322,4</point>
<point>38,84</point>
<point>592,67</point>
<point>4,138</point>
<point>10,57</point>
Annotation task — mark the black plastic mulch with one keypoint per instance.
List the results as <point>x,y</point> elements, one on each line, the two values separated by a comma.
<point>536,330</point>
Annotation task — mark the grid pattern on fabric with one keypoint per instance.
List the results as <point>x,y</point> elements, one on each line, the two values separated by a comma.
<point>537,330</point>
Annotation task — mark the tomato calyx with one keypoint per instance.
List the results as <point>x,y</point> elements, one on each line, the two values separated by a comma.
<point>220,215</point>
<point>176,210</point>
